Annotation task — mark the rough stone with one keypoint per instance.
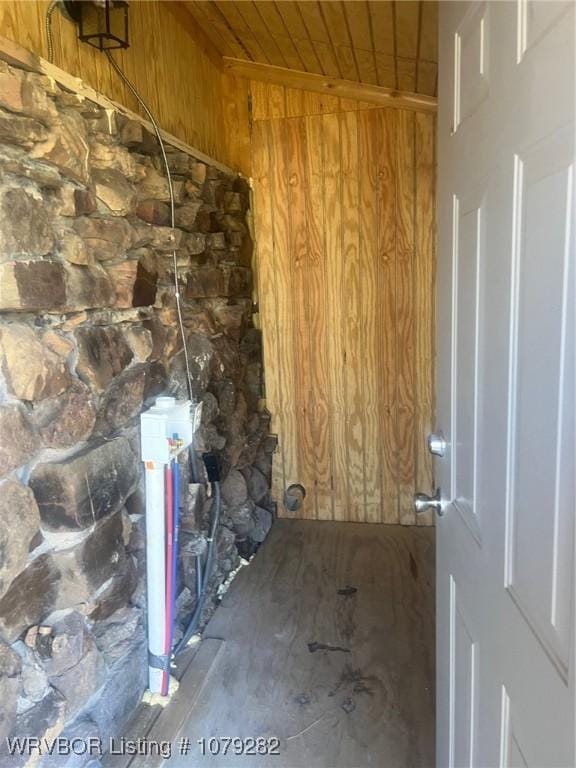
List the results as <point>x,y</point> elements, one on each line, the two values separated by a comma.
<point>106,154</point>
<point>66,147</point>
<point>112,189</point>
<point>13,161</point>
<point>73,201</point>
<point>195,243</point>
<point>154,186</point>
<point>216,241</point>
<point>43,721</point>
<point>26,94</point>
<point>119,633</point>
<point>258,486</point>
<point>75,668</point>
<point>117,592</point>
<point>140,341</point>
<point>49,285</point>
<point>262,523</point>
<point>123,277</point>
<point>72,248</point>
<point>10,666</point>
<point>136,137</point>
<point>66,420</point>
<point>166,239</point>
<point>205,282</point>
<point>29,598</point>
<point>87,287</point>
<point>82,731</point>
<point>25,229</point>
<point>34,678</point>
<point>74,493</point>
<point>122,401</point>
<point>32,371</point>
<point>122,693</point>
<point>103,353</point>
<point>19,527</point>
<point>17,439</point>
<point>22,131</point>
<point>153,212</point>
<point>239,281</point>
<point>234,489</point>
<point>186,216</point>
<point>106,238</point>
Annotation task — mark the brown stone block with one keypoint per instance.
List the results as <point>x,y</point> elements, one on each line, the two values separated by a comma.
<point>153,212</point>
<point>32,285</point>
<point>103,353</point>
<point>30,597</point>
<point>68,419</point>
<point>123,278</point>
<point>205,283</point>
<point>239,281</point>
<point>17,439</point>
<point>66,147</point>
<point>75,493</point>
<point>22,131</point>
<point>32,371</point>
<point>19,526</point>
<point>25,230</point>
<point>112,189</point>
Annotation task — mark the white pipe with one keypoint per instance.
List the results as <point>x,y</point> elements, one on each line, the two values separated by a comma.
<point>155,568</point>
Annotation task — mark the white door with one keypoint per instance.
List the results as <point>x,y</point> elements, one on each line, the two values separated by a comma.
<point>505,554</point>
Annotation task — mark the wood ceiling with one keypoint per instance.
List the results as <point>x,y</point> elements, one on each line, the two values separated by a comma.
<point>377,42</point>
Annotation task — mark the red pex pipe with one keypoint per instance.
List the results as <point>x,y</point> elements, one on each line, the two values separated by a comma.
<point>169,511</point>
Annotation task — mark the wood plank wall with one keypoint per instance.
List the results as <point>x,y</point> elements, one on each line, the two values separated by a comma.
<point>189,95</point>
<point>344,215</point>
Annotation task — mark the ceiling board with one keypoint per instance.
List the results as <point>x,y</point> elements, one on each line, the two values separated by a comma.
<point>391,43</point>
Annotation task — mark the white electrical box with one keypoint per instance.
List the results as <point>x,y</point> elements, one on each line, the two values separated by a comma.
<point>168,428</point>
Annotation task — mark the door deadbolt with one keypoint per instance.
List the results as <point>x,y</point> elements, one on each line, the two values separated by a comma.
<point>437,443</point>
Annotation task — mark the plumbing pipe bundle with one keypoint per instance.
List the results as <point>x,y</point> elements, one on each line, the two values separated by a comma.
<point>166,431</point>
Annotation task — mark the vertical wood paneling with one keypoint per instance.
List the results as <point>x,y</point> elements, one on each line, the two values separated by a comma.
<point>336,290</point>
<point>282,254</point>
<point>368,223</point>
<point>385,133</point>
<point>181,84</point>
<point>353,306</point>
<point>405,295</point>
<point>353,268</point>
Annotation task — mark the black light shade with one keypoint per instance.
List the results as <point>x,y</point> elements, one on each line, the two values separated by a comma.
<point>103,23</point>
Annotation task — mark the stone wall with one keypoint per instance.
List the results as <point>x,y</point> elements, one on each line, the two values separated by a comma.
<point>88,338</point>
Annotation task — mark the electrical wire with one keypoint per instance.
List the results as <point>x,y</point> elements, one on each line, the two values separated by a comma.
<point>48,24</point>
<point>150,116</point>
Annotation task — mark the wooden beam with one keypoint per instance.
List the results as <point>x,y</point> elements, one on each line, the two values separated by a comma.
<point>347,89</point>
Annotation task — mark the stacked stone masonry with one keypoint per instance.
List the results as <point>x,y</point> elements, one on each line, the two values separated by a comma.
<point>88,338</point>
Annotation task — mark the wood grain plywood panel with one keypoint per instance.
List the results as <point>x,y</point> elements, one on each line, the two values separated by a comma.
<point>282,252</point>
<point>304,348</point>
<point>335,313</point>
<point>405,325</point>
<point>359,188</point>
<point>315,300</point>
<point>387,320</point>
<point>353,307</point>
<point>370,326</point>
<point>267,287</point>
